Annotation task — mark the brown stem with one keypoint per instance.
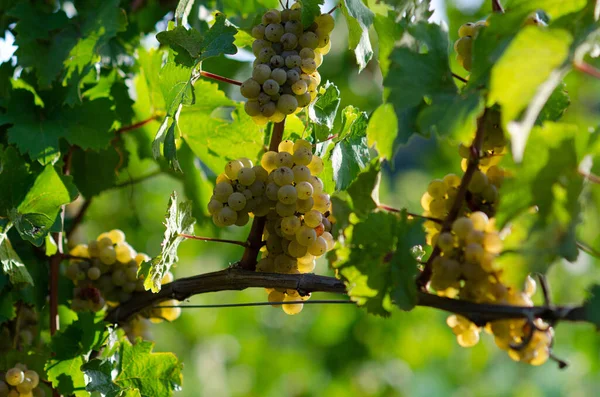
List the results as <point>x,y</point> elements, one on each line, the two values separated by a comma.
<point>255,242</point>
<point>237,279</point>
<point>136,125</point>
<point>473,165</point>
<point>213,76</point>
<point>588,249</point>
<point>414,215</point>
<point>79,217</point>
<point>587,69</point>
<point>590,177</point>
<point>216,240</point>
<point>333,9</point>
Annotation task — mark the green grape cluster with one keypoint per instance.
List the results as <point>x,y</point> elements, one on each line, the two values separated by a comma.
<point>105,272</point>
<point>298,223</point>
<point>20,382</point>
<point>285,77</point>
<point>464,45</point>
<point>239,192</point>
<point>466,266</point>
<point>27,329</point>
<point>284,188</point>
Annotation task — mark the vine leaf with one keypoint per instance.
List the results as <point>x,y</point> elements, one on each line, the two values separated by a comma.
<point>36,131</point>
<point>36,214</point>
<point>549,170</point>
<point>192,47</point>
<point>12,265</point>
<point>310,9</point>
<point>536,54</point>
<point>349,153</point>
<point>87,333</point>
<point>376,261</point>
<point>153,374</point>
<point>419,69</point>
<point>177,77</point>
<point>99,372</point>
<point>382,130</point>
<point>323,111</point>
<point>359,19</point>
<point>178,221</point>
<point>592,306</point>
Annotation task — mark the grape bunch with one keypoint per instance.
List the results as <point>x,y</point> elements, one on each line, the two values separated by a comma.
<point>20,381</point>
<point>290,195</point>
<point>239,192</point>
<point>466,266</point>
<point>105,272</point>
<point>25,324</point>
<point>464,45</point>
<point>285,77</point>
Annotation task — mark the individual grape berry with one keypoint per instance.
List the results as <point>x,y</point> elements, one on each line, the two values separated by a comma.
<point>250,89</point>
<point>274,32</point>
<point>325,22</point>
<point>316,165</point>
<point>306,236</point>
<point>14,376</point>
<point>291,309</point>
<point>303,156</point>
<point>308,40</point>
<point>286,146</point>
<point>283,176</point>
<point>287,194</point>
<point>287,104</point>
<point>304,190</point>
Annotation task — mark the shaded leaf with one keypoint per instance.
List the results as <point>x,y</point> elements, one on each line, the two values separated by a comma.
<point>359,19</point>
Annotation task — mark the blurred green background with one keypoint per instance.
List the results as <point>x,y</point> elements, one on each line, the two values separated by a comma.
<point>340,350</point>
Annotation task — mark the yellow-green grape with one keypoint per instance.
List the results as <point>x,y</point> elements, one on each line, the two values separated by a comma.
<point>306,267</point>
<point>303,156</point>
<point>478,182</point>
<point>304,206</point>
<point>227,216</point>
<point>222,191</point>
<point>306,236</point>
<point>291,309</point>
<point>313,218</point>
<point>452,180</point>
<point>325,22</point>
<point>124,252</point>
<point>170,313</point>
<point>462,226</point>
<point>117,236</point>
<point>322,202</point>
<point>260,173</point>
<point>276,296</point>
<point>436,188</point>
<point>269,161</point>
<point>302,143</point>
<point>214,206</point>
<point>80,250</point>
<point>492,243</point>
<point>246,176</point>
<point>297,250</point>
<point>14,376</point>
<point>271,191</point>
<point>480,220</point>
<point>25,387</point>
<point>284,210</point>
<point>283,176</point>
<point>468,338</point>
<point>446,242</point>
<point>94,273</point>
<point>285,159</point>
<point>233,168</point>
<point>316,165</point>
<point>301,173</point>
<point>287,194</point>
<point>304,190</point>
<point>287,104</point>
<point>107,255</point>
<point>318,247</point>
<point>329,240</point>
<point>141,258</point>
<point>250,89</point>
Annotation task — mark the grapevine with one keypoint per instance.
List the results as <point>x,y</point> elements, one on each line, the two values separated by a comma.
<point>420,169</point>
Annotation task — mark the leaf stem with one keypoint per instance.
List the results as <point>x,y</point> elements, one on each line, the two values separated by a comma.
<point>588,249</point>
<point>589,176</point>
<point>392,209</point>
<point>473,165</point>
<point>215,240</point>
<point>213,76</point>
<point>333,9</point>
<point>136,125</point>
<point>587,69</point>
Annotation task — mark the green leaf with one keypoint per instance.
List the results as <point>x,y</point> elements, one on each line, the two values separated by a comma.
<point>364,190</point>
<point>90,179</point>
<point>178,221</point>
<point>12,265</point>
<point>101,21</point>
<point>359,19</point>
<point>66,376</point>
<point>547,178</point>
<point>535,53</point>
<point>322,112</point>
<point>218,129</point>
<point>419,69</point>
<point>192,47</point>
<point>554,8</point>
<point>592,306</point>
<point>350,153</point>
<point>15,179</point>
<point>176,86</point>
<point>87,333</point>
<point>99,372</point>
<point>556,106</point>
<point>37,132</point>
<point>310,10</point>
<point>455,117</point>
<point>382,130</point>
<point>388,29</point>
<point>377,265</point>
<point>7,307</point>
<point>40,207</point>
<point>153,374</point>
